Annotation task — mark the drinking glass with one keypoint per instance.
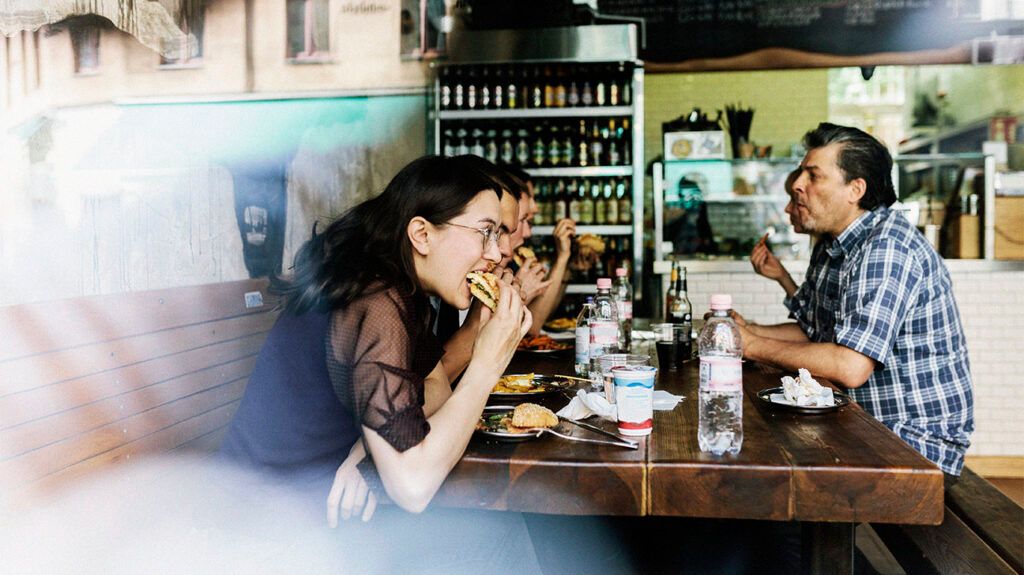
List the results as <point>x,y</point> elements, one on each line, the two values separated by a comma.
<point>672,340</point>
<point>601,370</point>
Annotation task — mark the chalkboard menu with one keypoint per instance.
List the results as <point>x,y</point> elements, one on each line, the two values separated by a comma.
<point>682,30</point>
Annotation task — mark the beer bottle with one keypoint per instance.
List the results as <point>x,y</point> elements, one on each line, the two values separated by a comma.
<point>560,210</point>
<point>584,154</point>
<point>625,202</point>
<point>612,207</point>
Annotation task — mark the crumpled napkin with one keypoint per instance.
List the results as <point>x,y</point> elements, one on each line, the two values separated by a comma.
<point>586,404</point>
<point>665,401</point>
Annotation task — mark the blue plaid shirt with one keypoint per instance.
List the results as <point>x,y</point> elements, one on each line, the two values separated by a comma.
<point>880,289</point>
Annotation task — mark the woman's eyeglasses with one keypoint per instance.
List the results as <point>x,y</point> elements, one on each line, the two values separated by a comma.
<point>489,234</point>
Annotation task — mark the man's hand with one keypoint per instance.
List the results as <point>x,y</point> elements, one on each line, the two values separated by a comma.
<point>565,229</point>
<point>530,278</point>
<point>764,261</point>
<point>350,491</point>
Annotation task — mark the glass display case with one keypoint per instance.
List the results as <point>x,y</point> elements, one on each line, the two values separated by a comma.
<point>720,208</point>
<point>569,113</point>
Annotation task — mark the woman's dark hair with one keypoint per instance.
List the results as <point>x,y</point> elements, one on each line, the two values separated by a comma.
<point>860,156</point>
<point>368,243</point>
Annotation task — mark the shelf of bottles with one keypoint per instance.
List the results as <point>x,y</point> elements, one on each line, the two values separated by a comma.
<point>575,127</point>
<point>602,206</point>
<point>552,147</point>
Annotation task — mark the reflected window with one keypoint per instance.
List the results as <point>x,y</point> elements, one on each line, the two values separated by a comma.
<point>188,48</point>
<point>423,25</point>
<point>85,42</point>
<point>308,29</point>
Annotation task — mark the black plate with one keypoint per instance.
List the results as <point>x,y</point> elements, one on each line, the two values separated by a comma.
<point>506,437</point>
<point>554,385</point>
<point>842,400</point>
<point>552,352</point>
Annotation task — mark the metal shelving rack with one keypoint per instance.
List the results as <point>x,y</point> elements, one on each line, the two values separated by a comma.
<point>577,46</point>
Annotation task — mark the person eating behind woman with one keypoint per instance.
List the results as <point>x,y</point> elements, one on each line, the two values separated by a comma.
<point>351,362</point>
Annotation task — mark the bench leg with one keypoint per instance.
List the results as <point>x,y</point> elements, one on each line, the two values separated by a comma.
<point>827,548</point>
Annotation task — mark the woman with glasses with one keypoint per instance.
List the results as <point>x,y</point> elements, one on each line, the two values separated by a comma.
<point>352,365</point>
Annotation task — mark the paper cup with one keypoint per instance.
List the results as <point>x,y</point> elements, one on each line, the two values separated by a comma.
<point>634,397</point>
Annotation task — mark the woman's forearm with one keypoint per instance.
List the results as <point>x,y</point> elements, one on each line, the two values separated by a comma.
<point>411,478</point>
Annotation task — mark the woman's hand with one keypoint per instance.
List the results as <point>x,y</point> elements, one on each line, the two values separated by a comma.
<point>764,261</point>
<point>503,328</point>
<point>531,280</point>
<point>350,490</point>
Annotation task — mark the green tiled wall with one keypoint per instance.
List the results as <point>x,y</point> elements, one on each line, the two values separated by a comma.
<point>786,103</point>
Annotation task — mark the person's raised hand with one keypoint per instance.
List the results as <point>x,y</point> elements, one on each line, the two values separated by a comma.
<point>564,232</point>
<point>531,280</point>
<point>500,335</point>
<point>764,261</point>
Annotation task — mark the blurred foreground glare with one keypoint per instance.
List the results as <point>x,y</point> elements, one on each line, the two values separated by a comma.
<point>188,515</point>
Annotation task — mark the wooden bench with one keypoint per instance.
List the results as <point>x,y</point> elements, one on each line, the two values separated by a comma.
<point>982,532</point>
<point>92,382</point>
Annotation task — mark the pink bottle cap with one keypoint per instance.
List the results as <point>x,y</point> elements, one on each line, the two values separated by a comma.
<point>621,272</point>
<point>604,283</point>
<point>721,301</point>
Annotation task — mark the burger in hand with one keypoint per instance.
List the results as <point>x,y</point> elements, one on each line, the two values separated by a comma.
<point>484,286</point>
<point>588,249</point>
<point>522,254</point>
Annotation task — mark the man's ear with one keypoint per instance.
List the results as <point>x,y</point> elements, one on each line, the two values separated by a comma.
<point>856,189</point>
<point>420,233</point>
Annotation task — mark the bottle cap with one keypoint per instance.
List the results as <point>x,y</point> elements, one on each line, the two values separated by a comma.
<point>621,272</point>
<point>590,299</point>
<point>604,283</point>
<point>721,301</point>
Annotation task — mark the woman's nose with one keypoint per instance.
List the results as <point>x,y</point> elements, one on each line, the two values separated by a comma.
<point>493,252</point>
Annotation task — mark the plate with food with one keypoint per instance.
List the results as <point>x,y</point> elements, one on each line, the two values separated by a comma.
<point>542,344</point>
<point>803,394</point>
<point>561,324</point>
<point>513,424</point>
<point>522,385</point>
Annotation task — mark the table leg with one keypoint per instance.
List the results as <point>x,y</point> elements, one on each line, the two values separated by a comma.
<point>827,548</point>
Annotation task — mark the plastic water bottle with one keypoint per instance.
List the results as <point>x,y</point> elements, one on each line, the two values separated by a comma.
<point>583,337</point>
<point>604,326</point>
<point>720,413</point>
<point>622,293</point>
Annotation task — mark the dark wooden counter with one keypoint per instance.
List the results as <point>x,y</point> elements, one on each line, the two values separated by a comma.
<point>830,471</point>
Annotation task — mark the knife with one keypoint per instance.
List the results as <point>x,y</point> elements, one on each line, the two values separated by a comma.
<point>596,429</point>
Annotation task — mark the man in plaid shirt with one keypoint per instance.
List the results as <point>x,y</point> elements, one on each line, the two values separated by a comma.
<point>876,313</point>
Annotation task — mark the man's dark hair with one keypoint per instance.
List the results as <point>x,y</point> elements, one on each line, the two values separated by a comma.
<point>860,156</point>
<point>521,178</point>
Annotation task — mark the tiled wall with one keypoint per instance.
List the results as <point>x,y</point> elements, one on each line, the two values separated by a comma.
<point>991,307</point>
<point>786,103</point>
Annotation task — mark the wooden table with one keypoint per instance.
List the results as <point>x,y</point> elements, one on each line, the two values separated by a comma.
<point>829,471</point>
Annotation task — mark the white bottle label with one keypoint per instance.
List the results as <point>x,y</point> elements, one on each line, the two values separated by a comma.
<point>625,309</point>
<point>582,345</point>
<point>604,333</point>
<point>721,374</point>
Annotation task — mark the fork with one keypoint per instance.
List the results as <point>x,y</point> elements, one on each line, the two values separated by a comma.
<point>542,430</point>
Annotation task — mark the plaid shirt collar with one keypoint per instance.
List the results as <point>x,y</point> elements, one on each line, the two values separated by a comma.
<point>854,234</point>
